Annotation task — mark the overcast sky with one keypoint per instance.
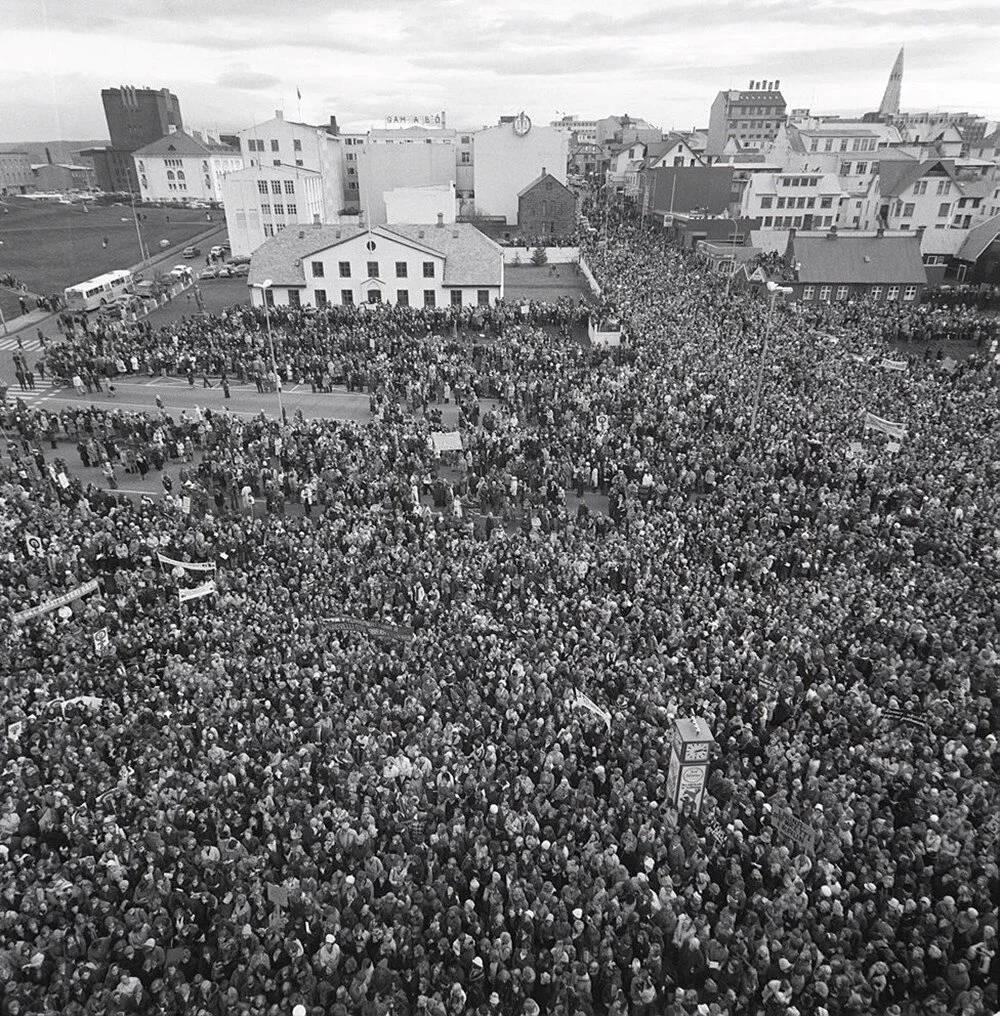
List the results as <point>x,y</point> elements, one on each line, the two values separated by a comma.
<point>235,61</point>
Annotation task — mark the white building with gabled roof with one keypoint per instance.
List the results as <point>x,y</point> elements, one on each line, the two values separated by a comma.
<point>184,167</point>
<point>441,265</point>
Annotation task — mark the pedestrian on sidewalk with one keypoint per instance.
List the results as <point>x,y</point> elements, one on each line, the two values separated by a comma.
<point>24,306</point>
<point>20,342</point>
<point>30,377</point>
<point>41,339</point>
<point>225,389</point>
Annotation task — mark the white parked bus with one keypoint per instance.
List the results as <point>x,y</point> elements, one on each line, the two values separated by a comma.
<point>99,291</point>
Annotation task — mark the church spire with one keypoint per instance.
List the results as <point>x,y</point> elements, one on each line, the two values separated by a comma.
<point>890,100</point>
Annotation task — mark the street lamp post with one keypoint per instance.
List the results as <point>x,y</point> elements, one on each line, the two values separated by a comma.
<point>264,288</point>
<point>774,289</point>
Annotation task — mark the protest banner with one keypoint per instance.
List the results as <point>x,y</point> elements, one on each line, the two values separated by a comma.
<point>278,895</point>
<point>714,829</point>
<point>102,641</point>
<point>33,544</point>
<point>446,441</point>
<point>899,365</point>
<point>205,589</point>
<point>396,632</point>
<point>60,601</point>
<point>949,364</point>
<point>585,702</point>
<point>199,566</point>
<point>901,716</point>
<point>15,730</point>
<point>855,451</point>
<point>888,427</point>
<point>892,447</point>
<point>800,833</point>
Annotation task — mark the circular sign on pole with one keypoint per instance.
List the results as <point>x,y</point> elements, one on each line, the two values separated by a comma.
<point>522,124</point>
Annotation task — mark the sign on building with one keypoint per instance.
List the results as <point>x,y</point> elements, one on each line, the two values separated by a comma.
<point>414,119</point>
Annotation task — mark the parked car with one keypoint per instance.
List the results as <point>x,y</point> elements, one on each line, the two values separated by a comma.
<point>241,259</point>
<point>164,243</point>
<point>182,272</point>
<point>191,252</point>
<point>243,269</point>
<point>216,251</point>
<point>209,273</point>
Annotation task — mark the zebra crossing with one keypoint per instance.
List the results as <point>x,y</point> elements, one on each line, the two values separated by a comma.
<point>9,342</point>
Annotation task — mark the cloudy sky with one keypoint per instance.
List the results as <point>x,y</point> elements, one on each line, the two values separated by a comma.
<point>235,61</point>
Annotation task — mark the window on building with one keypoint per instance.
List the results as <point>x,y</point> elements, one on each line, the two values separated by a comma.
<point>320,297</point>
<point>920,187</point>
<point>296,145</point>
<point>892,293</point>
<point>798,221</point>
<point>268,229</point>
<point>483,297</point>
<point>401,270</point>
<point>767,201</point>
<point>781,202</point>
<point>347,296</point>
<point>767,221</point>
<point>274,146</point>
<point>904,225</point>
<point>351,156</point>
<point>275,186</point>
<point>826,202</point>
<point>262,186</point>
<point>269,297</point>
<point>298,162</point>
<point>944,210</point>
<point>289,186</point>
<point>944,187</point>
<point>373,270</point>
<point>291,209</point>
<point>294,299</point>
<point>402,297</point>
<point>352,185</point>
<point>910,293</point>
<point>808,292</point>
<point>345,269</point>
<point>428,269</point>
<point>843,144</point>
<point>845,168</point>
<point>279,209</point>
<point>466,158</point>
<point>842,292</point>
<point>265,209</point>
<point>908,208</point>
<point>824,292</point>
<point>317,269</point>
<point>180,174</point>
<point>456,298</point>
<point>170,174</point>
<point>430,298</point>
<point>875,292</point>
<point>465,139</point>
<point>861,167</point>
<point>374,296</point>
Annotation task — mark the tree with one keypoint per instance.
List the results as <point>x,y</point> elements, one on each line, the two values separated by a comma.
<point>539,257</point>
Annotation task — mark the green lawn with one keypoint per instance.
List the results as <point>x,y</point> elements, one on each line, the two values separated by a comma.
<point>50,246</point>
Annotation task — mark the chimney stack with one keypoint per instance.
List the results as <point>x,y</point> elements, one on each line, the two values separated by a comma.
<point>316,222</point>
<point>777,85</point>
<point>334,129</point>
<point>279,114</point>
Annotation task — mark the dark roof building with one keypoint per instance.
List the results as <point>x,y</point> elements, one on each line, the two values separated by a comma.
<point>682,190</point>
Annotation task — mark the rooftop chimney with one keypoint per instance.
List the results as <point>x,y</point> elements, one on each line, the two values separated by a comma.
<point>334,129</point>
<point>440,224</point>
<point>750,86</point>
<point>279,114</point>
<point>316,220</point>
<point>777,85</point>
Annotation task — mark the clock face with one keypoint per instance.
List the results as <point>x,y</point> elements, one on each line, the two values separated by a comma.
<point>522,124</point>
<point>697,753</point>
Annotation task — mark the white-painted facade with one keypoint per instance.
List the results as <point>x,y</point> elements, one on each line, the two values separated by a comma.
<point>792,200</point>
<point>183,167</point>
<point>420,204</point>
<point>507,162</point>
<point>286,144</point>
<point>261,202</point>
<point>330,266</point>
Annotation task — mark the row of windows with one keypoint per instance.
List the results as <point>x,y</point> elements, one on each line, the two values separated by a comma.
<point>180,174</point>
<point>909,207</point>
<point>844,145</point>
<point>755,110</point>
<point>846,168</point>
<point>788,221</point>
<point>375,296</point>
<point>943,187</point>
<point>276,186</point>
<point>745,125</point>
<point>373,270</point>
<point>767,202</point>
<point>256,145</point>
<point>279,209</point>
<point>875,292</point>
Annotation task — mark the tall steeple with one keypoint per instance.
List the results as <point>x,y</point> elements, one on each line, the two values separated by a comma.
<point>890,100</point>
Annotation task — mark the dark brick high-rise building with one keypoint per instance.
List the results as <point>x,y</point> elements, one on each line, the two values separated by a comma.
<point>139,116</point>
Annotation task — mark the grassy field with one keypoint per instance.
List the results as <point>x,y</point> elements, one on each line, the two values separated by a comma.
<point>545,283</point>
<point>216,295</point>
<point>50,246</point>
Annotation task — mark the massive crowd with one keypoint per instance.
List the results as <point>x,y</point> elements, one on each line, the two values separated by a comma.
<point>240,807</point>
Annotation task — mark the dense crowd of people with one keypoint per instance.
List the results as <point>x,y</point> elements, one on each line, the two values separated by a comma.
<point>244,807</point>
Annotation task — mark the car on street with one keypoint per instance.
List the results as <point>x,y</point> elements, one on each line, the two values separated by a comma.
<point>164,243</point>
<point>225,271</point>
<point>191,252</point>
<point>243,269</point>
<point>209,273</point>
<point>240,259</point>
<point>181,272</point>
<point>217,251</point>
